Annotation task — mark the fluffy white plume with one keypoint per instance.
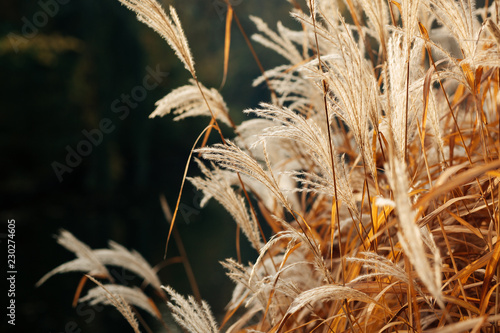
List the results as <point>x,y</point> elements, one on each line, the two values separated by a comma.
<point>193,316</point>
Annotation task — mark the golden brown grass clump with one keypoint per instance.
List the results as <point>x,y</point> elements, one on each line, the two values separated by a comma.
<point>376,166</point>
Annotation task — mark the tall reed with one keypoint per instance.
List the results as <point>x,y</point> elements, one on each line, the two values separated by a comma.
<point>375,164</point>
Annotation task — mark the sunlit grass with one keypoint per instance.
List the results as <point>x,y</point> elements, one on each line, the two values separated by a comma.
<point>375,163</point>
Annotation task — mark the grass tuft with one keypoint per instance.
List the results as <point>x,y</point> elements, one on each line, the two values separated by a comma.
<point>376,166</point>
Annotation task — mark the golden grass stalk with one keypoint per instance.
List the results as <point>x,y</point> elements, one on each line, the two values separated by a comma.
<point>376,166</point>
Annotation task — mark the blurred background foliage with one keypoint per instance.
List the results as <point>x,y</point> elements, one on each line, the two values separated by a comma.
<point>62,79</point>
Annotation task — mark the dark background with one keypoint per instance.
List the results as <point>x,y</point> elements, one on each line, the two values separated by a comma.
<point>62,79</point>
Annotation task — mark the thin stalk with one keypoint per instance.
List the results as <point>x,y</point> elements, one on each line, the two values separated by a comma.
<point>182,250</point>
<point>325,90</point>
